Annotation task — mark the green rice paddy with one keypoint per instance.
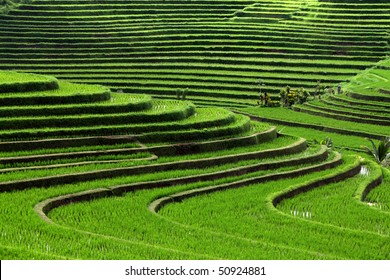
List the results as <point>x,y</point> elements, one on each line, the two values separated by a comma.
<point>141,135</point>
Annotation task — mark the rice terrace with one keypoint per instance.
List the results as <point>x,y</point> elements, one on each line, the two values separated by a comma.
<point>195,129</point>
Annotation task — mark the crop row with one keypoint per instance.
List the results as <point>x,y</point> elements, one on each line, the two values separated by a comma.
<point>150,132</point>
<point>227,172</point>
<point>202,236</point>
<point>121,5</point>
<point>321,123</point>
<point>19,82</point>
<point>260,135</point>
<point>353,112</point>
<point>105,248</point>
<point>261,53</point>
<point>195,66</point>
<point>202,34</point>
<point>239,51</point>
<point>105,158</point>
<point>138,12</point>
<point>371,97</point>
<point>370,25</point>
<point>354,102</point>
<point>176,113</point>
<point>350,214</point>
<point>379,197</point>
<point>181,74</point>
<point>342,104</point>
<point>208,60</point>
<point>318,111</point>
<point>274,31</point>
<point>254,202</point>
<point>64,88</point>
<point>119,103</point>
<point>50,177</point>
<point>32,148</point>
<point>203,28</point>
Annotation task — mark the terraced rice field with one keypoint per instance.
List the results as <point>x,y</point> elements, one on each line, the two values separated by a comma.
<point>82,177</point>
<point>361,109</point>
<point>104,162</point>
<point>216,49</point>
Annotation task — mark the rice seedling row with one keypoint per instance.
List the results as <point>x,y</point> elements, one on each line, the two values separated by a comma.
<point>253,203</point>
<point>352,212</point>
<point>379,197</point>
<point>92,171</point>
<point>341,116</point>
<point>352,111</point>
<point>87,219</point>
<point>156,151</point>
<point>338,104</point>
<point>302,118</point>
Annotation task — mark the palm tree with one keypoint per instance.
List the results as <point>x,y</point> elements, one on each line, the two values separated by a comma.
<point>380,153</point>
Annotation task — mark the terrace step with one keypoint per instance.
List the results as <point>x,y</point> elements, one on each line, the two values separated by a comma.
<point>345,117</point>
<point>356,111</point>
<point>152,33</point>
<point>377,98</point>
<point>11,82</point>
<point>297,147</point>
<point>80,119</point>
<point>347,100</point>
<point>156,47</point>
<point>65,93</point>
<point>47,206</point>
<point>363,108</point>
<point>118,103</point>
<point>156,205</point>
<point>148,130</point>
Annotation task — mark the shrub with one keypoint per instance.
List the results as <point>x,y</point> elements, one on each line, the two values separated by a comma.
<point>381,152</point>
<point>289,97</point>
<point>181,94</point>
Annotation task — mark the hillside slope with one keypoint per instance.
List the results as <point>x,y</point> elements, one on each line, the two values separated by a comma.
<point>219,50</point>
<point>122,176</point>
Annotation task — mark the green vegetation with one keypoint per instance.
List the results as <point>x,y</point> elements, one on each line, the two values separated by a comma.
<point>7,5</point>
<point>194,130</point>
<point>381,153</point>
<point>215,49</point>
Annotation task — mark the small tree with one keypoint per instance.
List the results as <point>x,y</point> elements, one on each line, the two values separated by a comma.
<point>381,152</point>
<point>178,93</point>
<point>319,89</point>
<point>181,94</point>
<point>328,142</point>
<point>184,95</point>
<point>302,95</point>
<point>289,97</point>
